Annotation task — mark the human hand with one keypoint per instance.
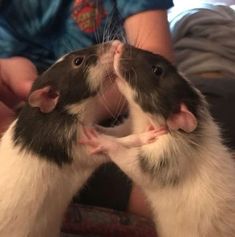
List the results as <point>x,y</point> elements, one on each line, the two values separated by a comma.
<point>16,77</point>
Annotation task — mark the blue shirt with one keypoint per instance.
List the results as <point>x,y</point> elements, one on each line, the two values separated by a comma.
<point>44,30</point>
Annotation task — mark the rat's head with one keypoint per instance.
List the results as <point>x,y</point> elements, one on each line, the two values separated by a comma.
<point>75,90</point>
<point>74,79</point>
<point>156,86</point>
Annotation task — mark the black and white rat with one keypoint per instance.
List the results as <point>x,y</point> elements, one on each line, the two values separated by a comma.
<point>186,172</point>
<point>42,164</point>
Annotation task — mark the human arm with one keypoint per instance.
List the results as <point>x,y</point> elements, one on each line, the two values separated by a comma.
<point>149,30</point>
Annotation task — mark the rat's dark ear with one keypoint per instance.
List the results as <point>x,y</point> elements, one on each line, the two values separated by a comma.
<point>45,99</point>
<point>183,119</point>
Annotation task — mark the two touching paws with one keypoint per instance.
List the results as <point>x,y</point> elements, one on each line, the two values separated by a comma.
<point>98,142</point>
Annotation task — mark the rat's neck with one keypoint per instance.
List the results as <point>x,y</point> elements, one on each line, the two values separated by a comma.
<point>34,191</point>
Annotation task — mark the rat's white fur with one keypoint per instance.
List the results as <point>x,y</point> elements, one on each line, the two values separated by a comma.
<point>202,204</point>
<point>34,191</point>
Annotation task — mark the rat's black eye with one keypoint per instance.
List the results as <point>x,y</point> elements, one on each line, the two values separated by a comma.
<point>78,60</point>
<point>157,70</point>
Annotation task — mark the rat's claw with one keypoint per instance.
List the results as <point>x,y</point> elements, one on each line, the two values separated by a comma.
<point>90,132</point>
<point>92,141</point>
<point>97,150</point>
<point>151,135</point>
<point>93,132</point>
<point>87,132</point>
<point>87,142</point>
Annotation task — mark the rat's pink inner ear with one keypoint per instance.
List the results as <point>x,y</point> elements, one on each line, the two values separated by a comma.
<point>45,99</point>
<point>184,120</point>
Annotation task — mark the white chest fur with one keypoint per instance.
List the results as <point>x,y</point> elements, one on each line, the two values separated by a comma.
<point>202,204</point>
<point>34,192</point>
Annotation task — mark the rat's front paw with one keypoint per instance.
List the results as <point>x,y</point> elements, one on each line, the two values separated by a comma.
<point>151,136</point>
<point>92,141</point>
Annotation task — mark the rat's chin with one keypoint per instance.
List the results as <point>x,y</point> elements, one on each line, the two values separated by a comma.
<point>111,107</point>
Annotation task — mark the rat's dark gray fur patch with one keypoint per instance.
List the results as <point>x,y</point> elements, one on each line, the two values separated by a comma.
<point>50,136</point>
